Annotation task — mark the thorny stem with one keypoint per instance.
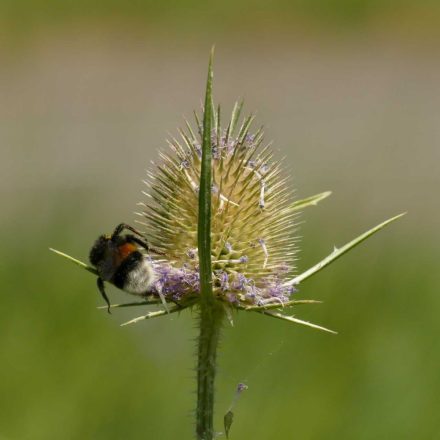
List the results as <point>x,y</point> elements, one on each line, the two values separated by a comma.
<point>211,319</point>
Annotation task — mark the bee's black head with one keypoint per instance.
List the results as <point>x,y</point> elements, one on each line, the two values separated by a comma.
<point>99,249</point>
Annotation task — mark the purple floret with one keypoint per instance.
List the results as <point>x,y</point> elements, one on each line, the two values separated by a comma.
<point>178,283</point>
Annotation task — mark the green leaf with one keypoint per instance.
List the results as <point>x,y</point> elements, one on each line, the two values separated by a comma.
<point>204,221</point>
<point>154,314</point>
<point>227,421</point>
<point>133,304</point>
<point>297,321</point>
<point>309,201</point>
<point>279,305</point>
<point>77,262</point>
<point>339,252</point>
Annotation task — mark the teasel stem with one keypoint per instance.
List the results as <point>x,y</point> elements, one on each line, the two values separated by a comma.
<point>211,319</point>
<point>211,310</point>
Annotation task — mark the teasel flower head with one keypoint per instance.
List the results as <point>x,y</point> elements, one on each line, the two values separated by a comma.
<point>253,241</point>
<point>251,223</point>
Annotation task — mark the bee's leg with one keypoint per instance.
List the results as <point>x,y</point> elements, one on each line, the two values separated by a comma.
<point>123,226</point>
<point>144,244</point>
<point>140,241</point>
<point>103,294</point>
<point>118,230</point>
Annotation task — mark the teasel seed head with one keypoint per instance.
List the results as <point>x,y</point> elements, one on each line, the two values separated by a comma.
<point>252,226</point>
<point>253,242</point>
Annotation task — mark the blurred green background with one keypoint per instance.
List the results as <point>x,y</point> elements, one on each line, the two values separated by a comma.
<point>348,90</point>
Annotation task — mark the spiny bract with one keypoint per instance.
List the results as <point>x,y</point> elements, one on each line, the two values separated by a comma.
<point>253,242</point>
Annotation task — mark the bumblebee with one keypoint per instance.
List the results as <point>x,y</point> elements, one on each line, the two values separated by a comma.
<point>118,260</point>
